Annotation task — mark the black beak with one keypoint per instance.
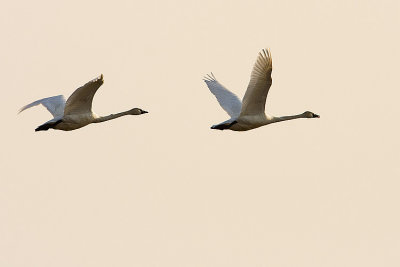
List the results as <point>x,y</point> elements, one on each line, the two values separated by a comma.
<point>315,116</point>
<point>144,112</point>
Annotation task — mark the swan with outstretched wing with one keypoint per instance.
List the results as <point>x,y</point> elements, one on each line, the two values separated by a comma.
<point>249,113</point>
<point>76,112</point>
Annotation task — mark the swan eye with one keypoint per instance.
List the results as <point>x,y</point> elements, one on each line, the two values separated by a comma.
<point>315,115</point>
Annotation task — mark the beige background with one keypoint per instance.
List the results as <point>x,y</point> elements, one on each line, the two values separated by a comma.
<point>163,189</point>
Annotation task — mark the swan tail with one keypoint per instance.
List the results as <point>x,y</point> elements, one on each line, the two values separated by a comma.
<point>223,126</point>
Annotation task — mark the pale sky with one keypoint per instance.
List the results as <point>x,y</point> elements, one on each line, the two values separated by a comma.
<point>163,189</point>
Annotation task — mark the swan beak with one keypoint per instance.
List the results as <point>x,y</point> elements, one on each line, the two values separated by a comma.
<point>315,116</point>
<point>144,112</point>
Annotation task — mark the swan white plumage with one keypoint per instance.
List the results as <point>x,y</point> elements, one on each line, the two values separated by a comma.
<point>250,113</point>
<point>76,112</point>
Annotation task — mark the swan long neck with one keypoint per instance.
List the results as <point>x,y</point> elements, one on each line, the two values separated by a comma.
<point>111,116</point>
<point>286,118</point>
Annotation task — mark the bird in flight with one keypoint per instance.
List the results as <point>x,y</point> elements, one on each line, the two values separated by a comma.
<point>76,112</point>
<point>249,113</point>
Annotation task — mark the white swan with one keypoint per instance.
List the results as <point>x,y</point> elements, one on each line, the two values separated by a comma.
<point>76,112</point>
<point>251,113</point>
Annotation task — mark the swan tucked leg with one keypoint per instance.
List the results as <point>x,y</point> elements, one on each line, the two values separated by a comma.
<point>224,125</point>
<point>48,125</point>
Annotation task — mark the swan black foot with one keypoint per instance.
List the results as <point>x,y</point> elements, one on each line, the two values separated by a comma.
<point>46,126</point>
<point>43,127</point>
<point>223,126</point>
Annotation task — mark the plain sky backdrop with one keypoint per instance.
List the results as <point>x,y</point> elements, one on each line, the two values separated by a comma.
<point>163,189</point>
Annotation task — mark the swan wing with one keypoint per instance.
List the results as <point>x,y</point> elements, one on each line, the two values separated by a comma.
<point>80,102</point>
<point>55,105</point>
<point>260,82</point>
<point>227,100</point>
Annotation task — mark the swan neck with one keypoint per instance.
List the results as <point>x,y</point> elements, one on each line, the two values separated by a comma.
<point>286,118</point>
<point>111,116</point>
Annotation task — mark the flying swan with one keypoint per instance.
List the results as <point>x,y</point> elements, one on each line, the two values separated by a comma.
<point>250,113</point>
<point>76,112</point>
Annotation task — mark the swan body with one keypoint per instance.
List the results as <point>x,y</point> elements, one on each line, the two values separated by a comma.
<point>76,112</point>
<point>249,113</point>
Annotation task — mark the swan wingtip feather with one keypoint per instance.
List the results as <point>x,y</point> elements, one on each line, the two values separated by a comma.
<point>209,78</point>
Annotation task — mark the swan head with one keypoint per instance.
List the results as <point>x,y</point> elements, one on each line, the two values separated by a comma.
<point>137,111</point>
<point>309,114</point>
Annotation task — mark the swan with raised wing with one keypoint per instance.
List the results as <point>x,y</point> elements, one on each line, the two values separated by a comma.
<point>249,113</point>
<point>76,112</point>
